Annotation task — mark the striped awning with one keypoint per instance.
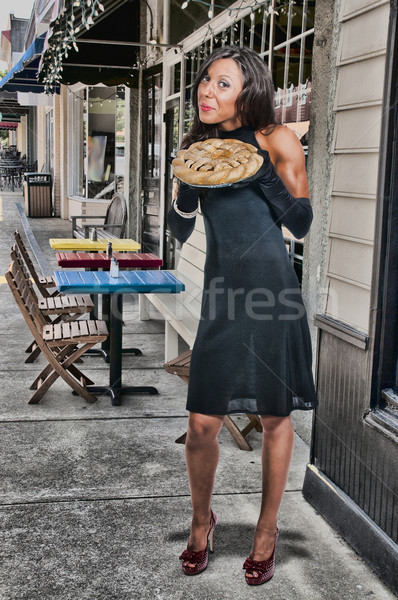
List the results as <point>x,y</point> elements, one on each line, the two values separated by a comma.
<point>8,125</point>
<point>23,76</point>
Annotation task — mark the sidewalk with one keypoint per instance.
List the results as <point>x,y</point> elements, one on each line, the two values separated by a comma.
<point>94,501</point>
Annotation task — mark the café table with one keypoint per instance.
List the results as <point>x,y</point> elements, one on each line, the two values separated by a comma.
<point>10,173</point>
<point>76,244</point>
<point>82,244</point>
<point>100,282</point>
<point>100,260</point>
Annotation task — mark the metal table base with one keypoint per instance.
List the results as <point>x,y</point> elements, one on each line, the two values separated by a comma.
<point>115,389</point>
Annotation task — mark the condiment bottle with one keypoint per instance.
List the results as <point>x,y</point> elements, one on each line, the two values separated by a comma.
<point>114,271</point>
<point>109,249</point>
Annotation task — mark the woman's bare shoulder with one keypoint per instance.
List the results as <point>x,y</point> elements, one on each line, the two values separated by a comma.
<point>280,141</point>
<point>277,136</point>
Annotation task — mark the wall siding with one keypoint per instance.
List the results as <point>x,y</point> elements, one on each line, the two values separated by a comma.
<point>348,303</point>
<point>351,260</point>
<point>360,83</point>
<point>345,448</point>
<point>355,149</point>
<point>358,129</point>
<point>353,217</point>
<point>359,459</point>
<point>351,8</point>
<point>361,38</point>
<point>356,174</point>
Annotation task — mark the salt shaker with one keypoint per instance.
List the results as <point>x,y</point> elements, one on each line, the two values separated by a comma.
<point>114,271</point>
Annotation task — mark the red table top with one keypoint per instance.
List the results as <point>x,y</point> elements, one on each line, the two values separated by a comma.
<point>99,260</point>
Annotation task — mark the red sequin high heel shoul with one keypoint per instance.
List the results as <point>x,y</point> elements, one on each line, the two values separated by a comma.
<point>263,568</point>
<point>199,559</point>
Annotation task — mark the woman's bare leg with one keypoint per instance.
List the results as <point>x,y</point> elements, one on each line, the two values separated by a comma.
<point>202,453</point>
<point>277,452</point>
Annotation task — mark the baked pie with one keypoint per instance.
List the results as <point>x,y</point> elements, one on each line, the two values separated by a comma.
<point>216,161</point>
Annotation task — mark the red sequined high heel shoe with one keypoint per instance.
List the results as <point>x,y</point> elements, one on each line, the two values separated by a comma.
<point>264,568</point>
<point>199,559</point>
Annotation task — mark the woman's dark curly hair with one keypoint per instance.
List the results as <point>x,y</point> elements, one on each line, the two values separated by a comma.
<point>255,103</point>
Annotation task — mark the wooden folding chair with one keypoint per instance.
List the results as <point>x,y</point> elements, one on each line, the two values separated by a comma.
<point>62,344</point>
<point>42,283</point>
<point>63,307</point>
<point>180,366</point>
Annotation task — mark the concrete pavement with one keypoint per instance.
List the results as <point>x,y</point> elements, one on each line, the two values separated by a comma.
<point>94,501</point>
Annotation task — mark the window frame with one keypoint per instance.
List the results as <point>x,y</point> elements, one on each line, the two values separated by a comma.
<point>383,412</point>
<point>223,30</point>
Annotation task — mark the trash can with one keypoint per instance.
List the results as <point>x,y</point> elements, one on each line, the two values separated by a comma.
<point>37,192</point>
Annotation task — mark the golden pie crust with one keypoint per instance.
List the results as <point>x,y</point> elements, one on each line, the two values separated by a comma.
<point>216,161</point>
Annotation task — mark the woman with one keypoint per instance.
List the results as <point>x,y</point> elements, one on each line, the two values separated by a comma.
<point>252,353</point>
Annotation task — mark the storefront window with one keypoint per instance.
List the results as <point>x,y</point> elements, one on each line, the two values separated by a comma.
<point>120,133</point>
<point>77,135</point>
<point>196,14</point>
<point>50,142</point>
<point>271,37</point>
<point>96,136</point>
<point>175,79</point>
<point>83,148</point>
<point>282,34</point>
<point>153,125</point>
<point>101,140</point>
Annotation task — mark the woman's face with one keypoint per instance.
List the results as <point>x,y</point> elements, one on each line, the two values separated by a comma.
<point>218,92</point>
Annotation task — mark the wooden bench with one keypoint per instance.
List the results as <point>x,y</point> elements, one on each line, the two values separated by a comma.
<point>113,225</point>
<point>182,311</point>
<point>180,366</point>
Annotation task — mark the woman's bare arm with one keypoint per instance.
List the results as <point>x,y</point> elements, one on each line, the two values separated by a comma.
<point>289,197</point>
<point>287,155</point>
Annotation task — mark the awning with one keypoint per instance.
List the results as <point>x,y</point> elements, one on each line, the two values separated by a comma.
<point>102,48</point>
<point>34,99</point>
<point>23,76</point>
<point>9,106</point>
<point>8,125</point>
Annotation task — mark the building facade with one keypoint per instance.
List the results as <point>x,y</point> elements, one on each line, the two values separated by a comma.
<point>334,65</point>
<point>351,275</point>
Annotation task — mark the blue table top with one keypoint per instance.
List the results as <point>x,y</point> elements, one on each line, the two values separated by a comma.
<point>100,282</point>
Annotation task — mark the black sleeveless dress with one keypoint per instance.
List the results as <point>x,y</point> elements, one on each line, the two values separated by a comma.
<point>252,353</point>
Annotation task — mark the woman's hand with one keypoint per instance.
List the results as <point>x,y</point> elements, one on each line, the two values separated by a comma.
<point>187,197</point>
<point>181,216</point>
<point>266,172</point>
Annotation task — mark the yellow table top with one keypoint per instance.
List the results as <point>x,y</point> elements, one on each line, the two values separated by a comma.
<point>73,244</point>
